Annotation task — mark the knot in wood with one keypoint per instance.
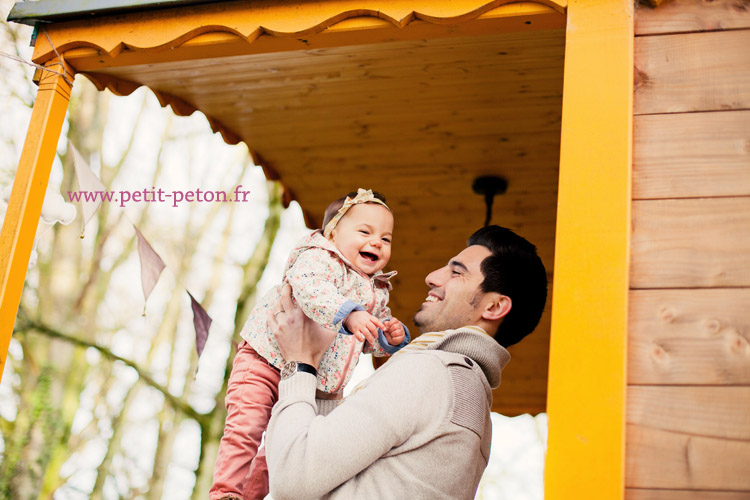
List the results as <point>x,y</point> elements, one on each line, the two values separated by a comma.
<point>667,314</point>
<point>713,325</point>
<point>659,354</point>
<point>738,343</point>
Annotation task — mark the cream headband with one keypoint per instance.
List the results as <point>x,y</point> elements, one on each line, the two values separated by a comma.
<point>363,196</point>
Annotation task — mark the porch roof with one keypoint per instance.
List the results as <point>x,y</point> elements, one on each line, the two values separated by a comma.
<point>412,99</point>
<point>48,11</point>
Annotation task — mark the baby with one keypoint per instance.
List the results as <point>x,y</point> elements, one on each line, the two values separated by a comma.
<point>337,279</point>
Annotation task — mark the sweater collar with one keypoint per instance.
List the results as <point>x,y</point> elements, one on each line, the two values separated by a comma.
<point>475,343</point>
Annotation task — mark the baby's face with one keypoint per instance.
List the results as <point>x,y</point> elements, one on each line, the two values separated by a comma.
<point>363,236</point>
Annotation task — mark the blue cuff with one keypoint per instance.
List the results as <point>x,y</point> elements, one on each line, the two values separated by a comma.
<point>346,309</point>
<point>392,349</point>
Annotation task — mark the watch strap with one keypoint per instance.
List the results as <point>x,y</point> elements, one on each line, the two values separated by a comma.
<point>304,367</point>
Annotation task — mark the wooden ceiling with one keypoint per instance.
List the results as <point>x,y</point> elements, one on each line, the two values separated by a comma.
<point>417,117</point>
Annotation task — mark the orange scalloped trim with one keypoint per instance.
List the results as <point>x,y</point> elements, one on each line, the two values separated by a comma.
<point>179,106</point>
<point>120,34</point>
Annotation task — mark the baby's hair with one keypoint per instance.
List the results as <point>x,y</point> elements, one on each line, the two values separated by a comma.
<point>334,207</point>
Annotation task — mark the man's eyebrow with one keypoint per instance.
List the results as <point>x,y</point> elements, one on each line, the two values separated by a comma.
<point>455,263</point>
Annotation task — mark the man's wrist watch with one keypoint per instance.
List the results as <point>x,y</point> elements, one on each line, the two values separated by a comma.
<point>292,367</point>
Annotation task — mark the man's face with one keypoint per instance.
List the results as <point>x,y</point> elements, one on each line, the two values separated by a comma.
<point>455,298</point>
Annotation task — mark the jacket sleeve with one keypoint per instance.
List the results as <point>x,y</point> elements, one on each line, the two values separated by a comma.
<point>309,455</point>
<point>381,347</point>
<point>315,278</point>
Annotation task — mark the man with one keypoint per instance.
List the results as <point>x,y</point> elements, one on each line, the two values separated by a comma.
<point>420,426</point>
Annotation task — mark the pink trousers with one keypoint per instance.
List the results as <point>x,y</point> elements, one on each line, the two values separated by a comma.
<point>253,388</point>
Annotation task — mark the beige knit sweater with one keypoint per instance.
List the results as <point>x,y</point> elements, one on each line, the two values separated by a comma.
<point>418,428</point>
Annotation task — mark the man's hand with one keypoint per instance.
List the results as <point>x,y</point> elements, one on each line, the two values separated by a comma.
<point>363,325</point>
<point>394,331</point>
<point>299,338</point>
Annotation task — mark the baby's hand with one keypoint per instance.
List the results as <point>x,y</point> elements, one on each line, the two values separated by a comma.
<point>394,331</point>
<point>363,325</point>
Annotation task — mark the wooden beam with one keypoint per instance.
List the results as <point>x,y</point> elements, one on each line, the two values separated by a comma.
<point>587,376</point>
<point>689,155</point>
<point>683,16</point>
<point>674,460</point>
<point>689,437</point>
<point>653,494</point>
<point>232,28</point>
<point>691,243</point>
<point>680,73</point>
<point>692,336</point>
<point>29,187</point>
<point>720,412</point>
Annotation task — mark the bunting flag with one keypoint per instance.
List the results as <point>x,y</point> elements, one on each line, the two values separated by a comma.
<point>201,322</point>
<point>151,266</point>
<point>87,181</point>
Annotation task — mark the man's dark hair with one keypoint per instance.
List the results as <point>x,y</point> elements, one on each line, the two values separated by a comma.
<point>334,207</point>
<point>514,269</point>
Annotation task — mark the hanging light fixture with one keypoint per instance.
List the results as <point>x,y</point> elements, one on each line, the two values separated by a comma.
<point>489,186</point>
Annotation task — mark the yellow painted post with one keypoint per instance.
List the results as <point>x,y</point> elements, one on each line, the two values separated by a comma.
<point>29,186</point>
<point>587,376</point>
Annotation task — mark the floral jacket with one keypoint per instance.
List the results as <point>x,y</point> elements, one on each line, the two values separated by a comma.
<point>327,287</point>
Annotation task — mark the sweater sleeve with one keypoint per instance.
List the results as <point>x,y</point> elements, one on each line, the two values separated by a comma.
<point>315,278</point>
<point>309,455</point>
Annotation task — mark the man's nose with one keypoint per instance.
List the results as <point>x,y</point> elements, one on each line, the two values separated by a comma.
<point>436,277</point>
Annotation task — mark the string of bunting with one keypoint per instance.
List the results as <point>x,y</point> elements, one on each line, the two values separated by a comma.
<point>64,73</point>
<point>39,66</point>
<point>152,264</point>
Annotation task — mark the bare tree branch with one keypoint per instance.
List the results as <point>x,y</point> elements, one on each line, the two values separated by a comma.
<point>24,323</point>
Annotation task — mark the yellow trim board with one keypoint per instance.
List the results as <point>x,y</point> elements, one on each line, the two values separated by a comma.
<point>587,376</point>
<point>190,34</point>
<point>27,196</point>
<point>113,35</point>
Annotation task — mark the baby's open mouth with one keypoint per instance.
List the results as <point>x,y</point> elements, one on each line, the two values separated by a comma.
<point>369,256</point>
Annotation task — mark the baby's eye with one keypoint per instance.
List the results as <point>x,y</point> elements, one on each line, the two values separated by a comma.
<point>387,240</point>
<point>364,231</point>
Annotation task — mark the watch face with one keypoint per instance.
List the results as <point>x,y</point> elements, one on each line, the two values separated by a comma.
<point>290,368</point>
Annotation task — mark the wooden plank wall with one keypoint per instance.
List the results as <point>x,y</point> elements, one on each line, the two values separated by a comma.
<point>688,432</point>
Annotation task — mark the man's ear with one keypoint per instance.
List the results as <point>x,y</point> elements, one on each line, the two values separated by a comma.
<point>497,308</point>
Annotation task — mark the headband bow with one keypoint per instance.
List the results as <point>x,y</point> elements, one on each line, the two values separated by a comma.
<point>363,196</point>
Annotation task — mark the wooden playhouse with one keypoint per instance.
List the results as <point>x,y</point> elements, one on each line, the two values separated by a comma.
<point>623,133</point>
